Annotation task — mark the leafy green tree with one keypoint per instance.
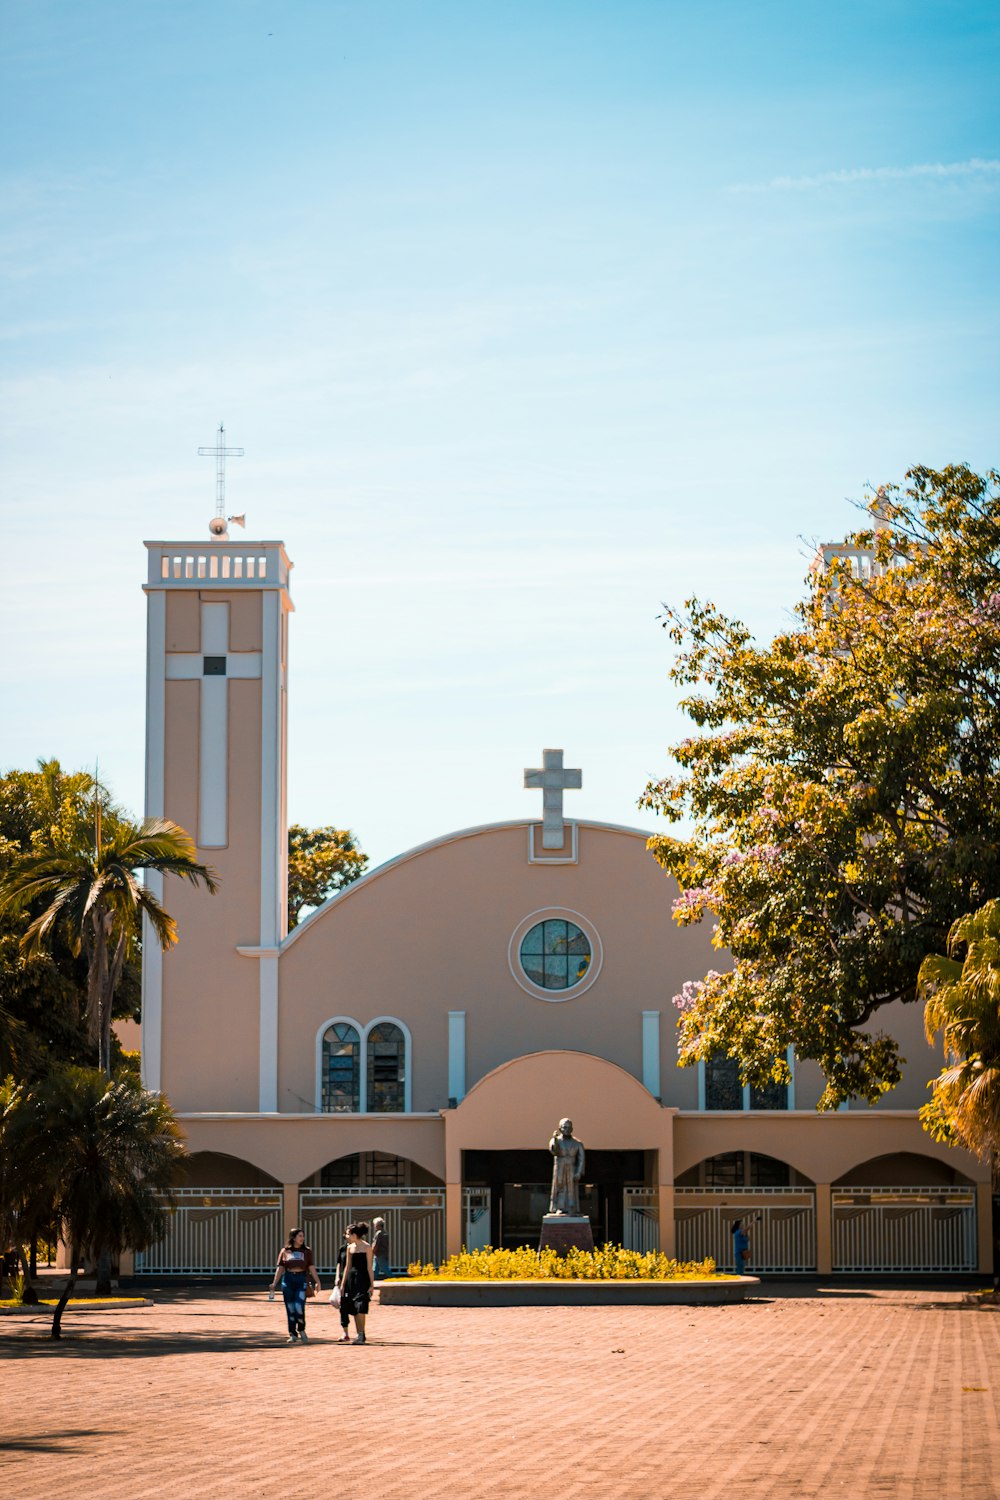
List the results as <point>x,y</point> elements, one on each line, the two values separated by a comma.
<point>843,787</point>
<point>26,1199</point>
<point>321,861</point>
<point>109,1154</point>
<point>43,998</point>
<point>88,891</point>
<point>962,996</point>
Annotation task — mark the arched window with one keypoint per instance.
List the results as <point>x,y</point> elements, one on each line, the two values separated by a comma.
<point>386,1048</point>
<point>340,1069</point>
<point>721,1088</point>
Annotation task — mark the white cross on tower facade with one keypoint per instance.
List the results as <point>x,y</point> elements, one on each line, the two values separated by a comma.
<point>213,667</point>
<point>554,779</point>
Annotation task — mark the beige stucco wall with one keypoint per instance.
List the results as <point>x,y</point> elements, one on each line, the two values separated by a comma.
<point>821,1147</point>
<point>290,1149</point>
<point>431,934</point>
<point>210,998</point>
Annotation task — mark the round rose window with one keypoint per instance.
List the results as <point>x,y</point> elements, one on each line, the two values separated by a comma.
<point>555,954</point>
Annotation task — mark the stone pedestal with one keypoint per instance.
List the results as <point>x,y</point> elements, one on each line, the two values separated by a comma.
<point>561,1232</point>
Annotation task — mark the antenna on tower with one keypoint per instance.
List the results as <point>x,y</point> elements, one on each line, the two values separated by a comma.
<point>217,525</point>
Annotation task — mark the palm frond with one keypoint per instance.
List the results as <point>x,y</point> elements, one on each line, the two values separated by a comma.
<point>161,921</point>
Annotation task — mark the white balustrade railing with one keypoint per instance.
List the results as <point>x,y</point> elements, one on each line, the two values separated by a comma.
<point>226,563</point>
<point>904,1229</point>
<point>414,1221</point>
<point>781,1223</point>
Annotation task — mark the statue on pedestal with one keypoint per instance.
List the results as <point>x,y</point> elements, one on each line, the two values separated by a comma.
<point>567,1169</point>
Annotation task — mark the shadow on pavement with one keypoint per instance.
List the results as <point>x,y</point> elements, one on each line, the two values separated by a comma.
<point>52,1442</point>
<point>133,1343</point>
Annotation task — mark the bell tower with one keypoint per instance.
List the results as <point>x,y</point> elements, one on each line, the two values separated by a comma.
<point>216,753</point>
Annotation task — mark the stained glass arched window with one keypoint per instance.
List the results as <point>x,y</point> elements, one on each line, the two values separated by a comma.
<point>341,1069</point>
<point>386,1047</point>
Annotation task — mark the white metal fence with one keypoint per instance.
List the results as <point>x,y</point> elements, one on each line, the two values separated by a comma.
<point>414,1221</point>
<point>217,1232</point>
<point>641,1219</point>
<point>781,1223</point>
<point>476,1217</point>
<point>904,1229</point>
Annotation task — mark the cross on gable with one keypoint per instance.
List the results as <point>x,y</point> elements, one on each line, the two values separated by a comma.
<point>212,666</point>
<point>554,779</point>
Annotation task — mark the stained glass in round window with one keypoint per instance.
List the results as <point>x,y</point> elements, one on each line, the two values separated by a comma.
<point>555,954</point>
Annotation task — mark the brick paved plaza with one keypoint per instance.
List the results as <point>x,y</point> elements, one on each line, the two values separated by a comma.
<point>805,1392</point>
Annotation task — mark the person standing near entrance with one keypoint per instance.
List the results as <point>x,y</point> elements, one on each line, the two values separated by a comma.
<point>356,1288</point>
<point>345,1317</point>
<point>380,1249</point>
<point>296,1269</point>
<point>741,1247</point>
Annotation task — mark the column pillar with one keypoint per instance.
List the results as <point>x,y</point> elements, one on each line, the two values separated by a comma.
<point>668,1223</point>
<point>824,1229</point>
<point>268,1023</point>
<point>984,1222</point>
<point>290,1206</point>
<point>454,1228</point>
<point>665,1185</point>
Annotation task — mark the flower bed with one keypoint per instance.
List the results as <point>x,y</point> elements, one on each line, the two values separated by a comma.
<point>609,1263</point>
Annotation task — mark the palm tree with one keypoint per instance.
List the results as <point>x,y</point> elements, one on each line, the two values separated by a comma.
<point>90,885</point>
<point>963,1004</point>
<point>114,1151</point>
<point>25,1188</point>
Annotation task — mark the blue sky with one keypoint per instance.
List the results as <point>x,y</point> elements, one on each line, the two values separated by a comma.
<point>528,317</point>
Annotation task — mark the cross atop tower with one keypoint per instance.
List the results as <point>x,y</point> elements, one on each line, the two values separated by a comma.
<point>554,779</point>
<point>217,526</point>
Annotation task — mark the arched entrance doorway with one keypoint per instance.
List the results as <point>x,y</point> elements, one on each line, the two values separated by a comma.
<point>774,1204</point>
<point>366,1185</point>
<point>498,1158</point>
<point>519,1183</point>
<point>904,1212</point>
<point>225,1220</point>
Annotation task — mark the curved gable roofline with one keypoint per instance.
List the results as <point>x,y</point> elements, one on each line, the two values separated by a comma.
<point>439,843</point>
<point>622,1075</point>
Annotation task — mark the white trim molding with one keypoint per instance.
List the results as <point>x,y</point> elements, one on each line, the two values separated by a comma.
<point>156,720</point>
<point>456,1056</point>
<point>572,858</point>
<point>651,1051</point>
<point>557,913</point>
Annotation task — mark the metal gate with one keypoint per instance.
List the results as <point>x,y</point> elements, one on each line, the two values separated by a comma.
<point>641,1219</point>
<point>904,1229</point>
<point>414,1221</point>
<point>781,1223</point>
<point>217,1232</point>
<point>476,1217</point>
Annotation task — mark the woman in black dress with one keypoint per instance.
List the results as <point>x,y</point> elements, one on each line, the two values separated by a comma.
<point>345,1337</point>
<point>358,1278</point>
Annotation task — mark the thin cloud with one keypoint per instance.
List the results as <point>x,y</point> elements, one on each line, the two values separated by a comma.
<point>976,166</point>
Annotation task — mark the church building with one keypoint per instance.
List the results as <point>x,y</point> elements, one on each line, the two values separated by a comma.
<point>408,1049</point>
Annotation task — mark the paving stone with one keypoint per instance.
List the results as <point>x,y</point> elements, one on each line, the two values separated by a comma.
<point>804,1392</point>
